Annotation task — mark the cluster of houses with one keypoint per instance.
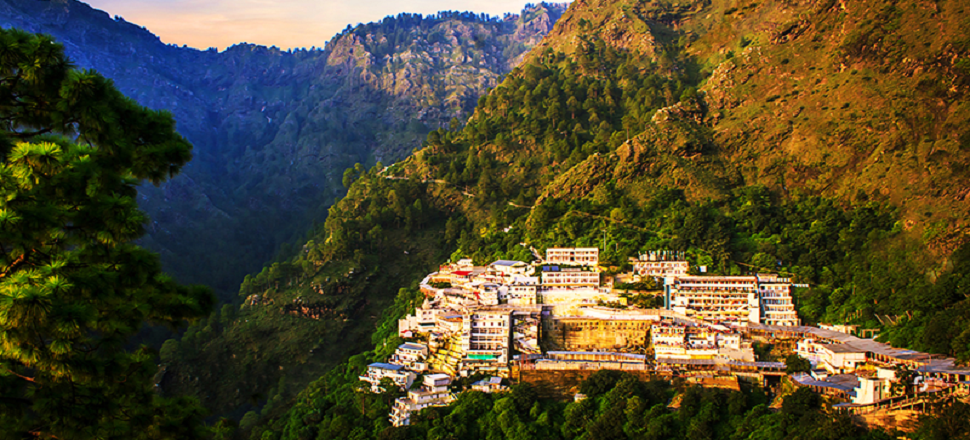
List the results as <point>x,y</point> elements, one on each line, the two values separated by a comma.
<point>862,372</point>
<point>560,313</point>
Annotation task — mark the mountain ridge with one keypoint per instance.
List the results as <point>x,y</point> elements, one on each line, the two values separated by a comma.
<point>273,130</point>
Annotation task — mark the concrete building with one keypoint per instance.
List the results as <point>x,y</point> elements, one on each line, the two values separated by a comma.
<point>510,267</point>
<point>433,392</point>
<point>556,277</point>
<point>716,299</point>
<point>835,358</point>
<point>876,388</point>
<point>485,340</point>
<point>396,373</point>
<point>758,299</point>
<point>490,385</point>
<point>674,341</point>
<point>573,256</point>
<point>523,291</point>
<point>412,356</point>
<point>422,321</point>
<point>661,265</point>
<point>777,307</point>
<point>487,294</point>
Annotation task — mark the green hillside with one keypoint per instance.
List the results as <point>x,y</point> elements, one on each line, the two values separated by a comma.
<point>818,139</point>
<point>273,129</point>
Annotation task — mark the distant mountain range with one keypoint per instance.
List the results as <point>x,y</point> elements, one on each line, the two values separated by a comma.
<point>274,130</point>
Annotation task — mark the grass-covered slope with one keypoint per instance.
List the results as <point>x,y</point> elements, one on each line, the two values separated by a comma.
<point>725,129</point>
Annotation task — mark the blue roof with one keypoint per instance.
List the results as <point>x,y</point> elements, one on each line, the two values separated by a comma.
<point>385,366</point>
<point>506,263</point>
<point>412,346</point>
<point>550,268</point>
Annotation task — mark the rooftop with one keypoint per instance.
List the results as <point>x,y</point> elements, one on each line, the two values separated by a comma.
<point>385,366</point>
<point>842,348</point>
<point>931,363</point>
<point>842,382</point>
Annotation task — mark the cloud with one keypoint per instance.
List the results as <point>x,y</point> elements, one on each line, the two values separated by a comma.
<point>281,23</point>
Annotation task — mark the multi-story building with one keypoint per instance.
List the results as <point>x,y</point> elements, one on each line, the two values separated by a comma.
<point>487,294</point>
<point>835,358</point>
<point>523,291</point>
<point>717,298</point>
<point>675,341</point>
<point>422,321</point>
<point>777,307</point>
<point>510,267</point>
<point>661,265</point>
<point>434,392</point>
<point>759,299</point>
<point>556,277</point>
<point>573,256</point>
<point>490,385</point>
<point>396,373</point>
<point>486,339</point>
<point>411,355</point>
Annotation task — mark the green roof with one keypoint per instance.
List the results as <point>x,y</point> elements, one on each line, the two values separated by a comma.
<point>483,357</point>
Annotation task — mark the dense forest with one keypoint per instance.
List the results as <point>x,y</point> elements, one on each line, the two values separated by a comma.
<point>596,142</point>
<point>634,126</point>
<point>273,130</point>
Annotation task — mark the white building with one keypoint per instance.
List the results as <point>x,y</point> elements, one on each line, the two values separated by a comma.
<point>835,358</point>
<point>490,385</point>
<point>695,342</point>
<point>573,256</point>
<point>422,321</point>
<point>523,291</point>
<point>434,392</point>
<point>411,356</point>
<point>717,299</point>
<point>777,307</point>
<point>661,265</point>
<point>396,373</point>
<point>485,340</point>
<point>760,299</point>
<point>510,267</point>
<point>556,277</point>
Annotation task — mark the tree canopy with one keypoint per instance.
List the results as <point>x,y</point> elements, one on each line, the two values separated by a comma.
<point>73,288</point>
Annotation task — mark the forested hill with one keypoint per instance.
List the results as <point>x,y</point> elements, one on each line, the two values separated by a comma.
<point>274,130</point>
<point>820,139</point>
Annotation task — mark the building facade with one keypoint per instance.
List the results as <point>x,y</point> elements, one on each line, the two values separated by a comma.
<point>573,256</point>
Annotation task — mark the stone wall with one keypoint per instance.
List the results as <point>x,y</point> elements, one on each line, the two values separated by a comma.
<point>584,334</point>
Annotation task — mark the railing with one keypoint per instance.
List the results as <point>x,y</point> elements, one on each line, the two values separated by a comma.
<point>902,402</point>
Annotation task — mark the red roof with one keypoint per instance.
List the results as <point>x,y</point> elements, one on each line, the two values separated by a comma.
<point>462,273</point>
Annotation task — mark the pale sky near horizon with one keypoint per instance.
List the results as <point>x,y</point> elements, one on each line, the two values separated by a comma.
<point>282,23</point>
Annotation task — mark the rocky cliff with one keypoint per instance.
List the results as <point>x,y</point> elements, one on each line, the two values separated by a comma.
<point>274,130</point>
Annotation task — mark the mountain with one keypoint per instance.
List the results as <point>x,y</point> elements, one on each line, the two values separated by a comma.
<point>821,139</point>
<point>274,130</point>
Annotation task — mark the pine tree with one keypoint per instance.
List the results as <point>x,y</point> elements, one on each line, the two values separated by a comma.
<point>73,289</point>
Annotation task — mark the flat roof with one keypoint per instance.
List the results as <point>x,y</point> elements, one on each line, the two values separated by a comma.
<point>599,353</point>
<point>839,383</point>
<point>508,263</point>
<point>412,346</point>
<point>842,348</point>
<point>931,363</point>
<point>385,366</point>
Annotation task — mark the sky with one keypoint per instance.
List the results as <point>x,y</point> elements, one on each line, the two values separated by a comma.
<point>281,23</point>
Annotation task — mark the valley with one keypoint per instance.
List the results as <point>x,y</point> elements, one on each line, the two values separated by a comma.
<point>774,193</point>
